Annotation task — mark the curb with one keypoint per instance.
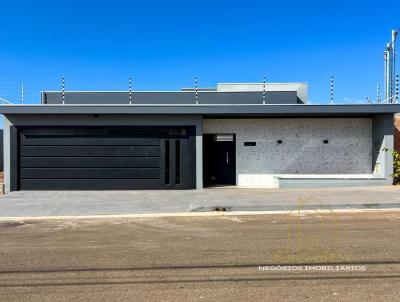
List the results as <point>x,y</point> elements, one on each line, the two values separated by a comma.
<point>197,214</point>
<point>304,207</point>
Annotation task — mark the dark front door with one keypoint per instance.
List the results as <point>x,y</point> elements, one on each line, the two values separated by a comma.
<point>219,159</point>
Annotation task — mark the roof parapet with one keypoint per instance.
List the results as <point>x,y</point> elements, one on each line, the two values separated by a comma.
<point>300,88</point>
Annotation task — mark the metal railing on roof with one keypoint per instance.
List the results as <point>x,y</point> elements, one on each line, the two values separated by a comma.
<point>4,101</point>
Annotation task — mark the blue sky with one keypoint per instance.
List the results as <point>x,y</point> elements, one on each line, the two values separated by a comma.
<point>164,44</point>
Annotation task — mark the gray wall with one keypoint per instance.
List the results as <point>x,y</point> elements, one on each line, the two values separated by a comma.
<point>103,120</point>
<point>300,88</point>
<point>182,97</point>
<point>348,152</point>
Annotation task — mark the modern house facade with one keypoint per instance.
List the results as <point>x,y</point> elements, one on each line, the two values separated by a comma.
<point>244,135</point>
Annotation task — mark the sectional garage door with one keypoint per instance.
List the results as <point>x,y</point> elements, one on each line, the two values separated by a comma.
<point>106,158</point>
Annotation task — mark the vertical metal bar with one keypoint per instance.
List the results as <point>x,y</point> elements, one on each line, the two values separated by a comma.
<point>196,89</point>
<point>386,67</point>
<point>178,162</point>
<point>186,158</point>
<point>264,91</point>
<point>63,90</point>
<point>162,162</point>
<point>167,161</point>
<point>331,90</point>
<point>378,93</point>
<point>172,157</point>
<point>130,90</point>
<point>22,93</point>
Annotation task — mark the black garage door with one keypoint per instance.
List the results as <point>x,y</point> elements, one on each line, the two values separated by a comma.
<point>106,158</point>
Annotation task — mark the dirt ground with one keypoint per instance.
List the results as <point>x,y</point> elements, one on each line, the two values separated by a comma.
<point>338,257</point>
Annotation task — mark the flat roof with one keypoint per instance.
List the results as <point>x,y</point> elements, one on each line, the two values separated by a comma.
<point>238,110</point>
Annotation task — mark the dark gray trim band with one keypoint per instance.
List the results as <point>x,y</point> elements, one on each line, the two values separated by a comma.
<point>218,110</point>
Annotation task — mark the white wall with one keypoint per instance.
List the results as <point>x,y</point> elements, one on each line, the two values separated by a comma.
<point>348,153</point>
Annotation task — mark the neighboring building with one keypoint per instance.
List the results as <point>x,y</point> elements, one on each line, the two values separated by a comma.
<point>397,132</point>
<point>1,150</point>
<point>246,135</point>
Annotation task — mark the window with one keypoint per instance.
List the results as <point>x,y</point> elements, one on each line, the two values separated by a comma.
<point>177,162</point>
<point>167,163</point>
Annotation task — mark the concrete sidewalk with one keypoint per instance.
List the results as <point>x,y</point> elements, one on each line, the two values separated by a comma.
<point>84,203</point>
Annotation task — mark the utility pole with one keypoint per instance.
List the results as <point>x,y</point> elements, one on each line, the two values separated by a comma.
<point>387,58</point>
<point>390,68</point>
<point>394,36</point>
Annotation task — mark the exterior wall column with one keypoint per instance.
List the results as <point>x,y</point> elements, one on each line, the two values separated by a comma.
<point>383,137</point>
<point>199,154</point>
<point>6,154</point>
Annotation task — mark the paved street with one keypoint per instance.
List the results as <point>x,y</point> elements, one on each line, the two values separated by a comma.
<point>81,203</point>
<point>203,258</point>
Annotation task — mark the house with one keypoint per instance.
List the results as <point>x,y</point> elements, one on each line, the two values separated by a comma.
<point>244,135</point>
<point>397,132</point>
